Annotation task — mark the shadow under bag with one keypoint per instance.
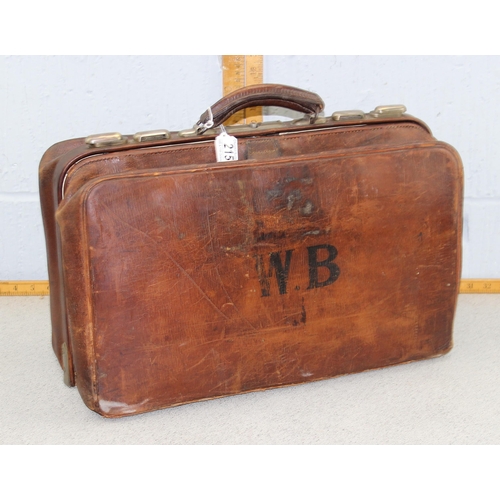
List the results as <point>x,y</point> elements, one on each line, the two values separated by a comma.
<point>313,248</point>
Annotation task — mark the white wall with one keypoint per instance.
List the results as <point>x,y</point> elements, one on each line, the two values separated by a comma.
<point>44,100</point>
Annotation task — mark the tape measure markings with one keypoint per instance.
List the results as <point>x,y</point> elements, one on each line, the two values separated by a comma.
<point>18,288</point>
<point>480,286</point>
<point>241,71</point>
<point>254,75</point>
<point>41,287</point>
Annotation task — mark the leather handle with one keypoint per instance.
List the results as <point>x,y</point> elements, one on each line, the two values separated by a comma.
<point>267,94</point>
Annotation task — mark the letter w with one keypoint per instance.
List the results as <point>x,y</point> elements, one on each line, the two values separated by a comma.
<point>281,272</point>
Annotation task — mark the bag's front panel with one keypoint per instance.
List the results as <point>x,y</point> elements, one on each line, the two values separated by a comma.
<point>232,280</point>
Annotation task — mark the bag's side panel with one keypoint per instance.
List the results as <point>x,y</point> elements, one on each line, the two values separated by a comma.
<point>48,203</point>
<point>224,281</point>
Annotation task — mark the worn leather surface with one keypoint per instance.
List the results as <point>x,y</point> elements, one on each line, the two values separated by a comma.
<point>69,164</point>
<point>175,278</point>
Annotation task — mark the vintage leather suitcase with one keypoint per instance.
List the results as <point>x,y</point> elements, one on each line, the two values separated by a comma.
<point>332,245</point>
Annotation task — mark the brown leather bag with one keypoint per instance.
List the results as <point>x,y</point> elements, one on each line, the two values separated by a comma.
<point>331,246</point>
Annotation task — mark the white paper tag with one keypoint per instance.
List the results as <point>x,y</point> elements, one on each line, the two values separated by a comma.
<point>226,147</point>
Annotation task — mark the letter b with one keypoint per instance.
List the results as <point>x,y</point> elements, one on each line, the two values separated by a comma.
<point>314,264</point>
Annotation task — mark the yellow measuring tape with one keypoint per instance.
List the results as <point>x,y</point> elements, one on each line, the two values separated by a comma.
<point>238,72</point>
<point>12,288</point>
<point>24,288</point>
<point>480,286</point>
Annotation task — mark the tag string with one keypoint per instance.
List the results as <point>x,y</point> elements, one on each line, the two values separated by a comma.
<point>210,122</point>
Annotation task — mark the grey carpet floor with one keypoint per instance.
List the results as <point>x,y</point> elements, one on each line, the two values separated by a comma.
<point>454,399</point>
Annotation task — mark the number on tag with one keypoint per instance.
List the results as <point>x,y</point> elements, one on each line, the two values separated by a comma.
<point>226,147</point>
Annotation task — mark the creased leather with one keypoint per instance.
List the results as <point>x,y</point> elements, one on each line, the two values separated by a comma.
<point>175,278</point>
